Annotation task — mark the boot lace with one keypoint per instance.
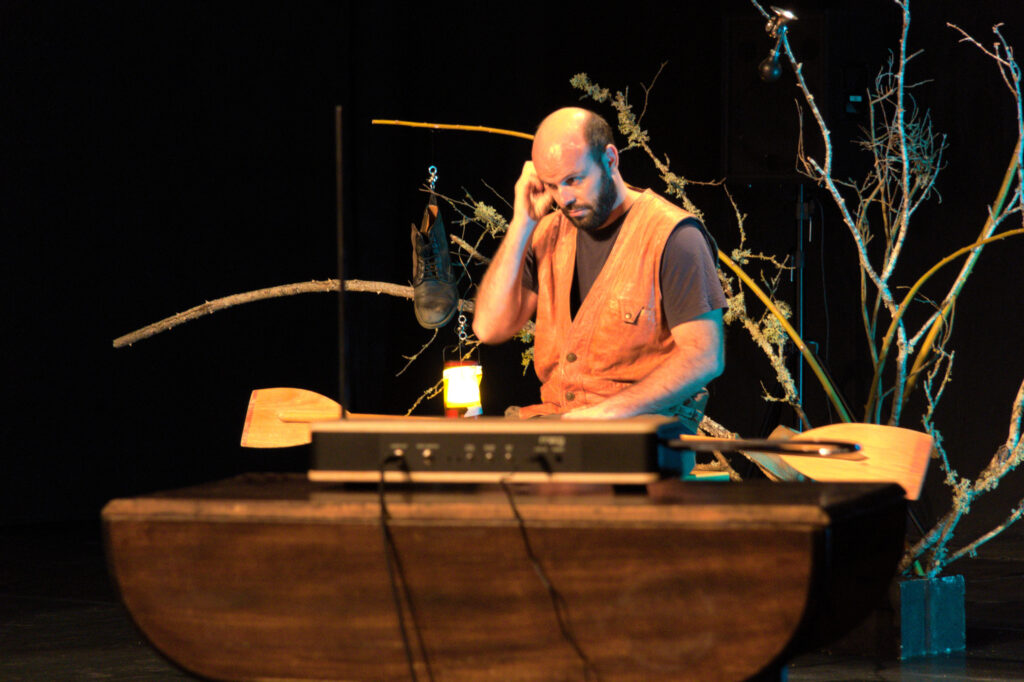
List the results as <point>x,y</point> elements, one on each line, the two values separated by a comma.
<point>430,267</point>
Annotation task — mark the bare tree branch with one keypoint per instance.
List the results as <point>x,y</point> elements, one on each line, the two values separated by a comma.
<point>314,286</point>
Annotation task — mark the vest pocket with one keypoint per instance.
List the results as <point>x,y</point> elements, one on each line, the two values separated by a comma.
<point>631,310</point>
<point>624,332</point>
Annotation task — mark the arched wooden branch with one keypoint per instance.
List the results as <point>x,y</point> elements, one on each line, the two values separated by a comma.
<point>315,286</point>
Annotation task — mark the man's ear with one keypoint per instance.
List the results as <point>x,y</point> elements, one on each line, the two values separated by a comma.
<point>611,157</point>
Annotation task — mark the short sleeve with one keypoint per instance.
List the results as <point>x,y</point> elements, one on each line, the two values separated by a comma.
<point>689,274</point>
<point>530,269</point>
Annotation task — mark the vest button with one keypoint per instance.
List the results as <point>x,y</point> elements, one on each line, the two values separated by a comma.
<point>570,396</point>
<point>571,357</point>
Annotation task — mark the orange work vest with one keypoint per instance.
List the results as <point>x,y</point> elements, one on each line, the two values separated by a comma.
<point>619,334</point>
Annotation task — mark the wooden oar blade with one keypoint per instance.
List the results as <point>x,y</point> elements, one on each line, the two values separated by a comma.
<point>280,417</point>
<point>892,454</point>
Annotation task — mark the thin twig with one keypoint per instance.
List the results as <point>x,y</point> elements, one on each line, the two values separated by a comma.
<point>431,392</point>
<point>647,91</point>
<point>473,253</point>
<point>412,358</point>
<point>972,548</point>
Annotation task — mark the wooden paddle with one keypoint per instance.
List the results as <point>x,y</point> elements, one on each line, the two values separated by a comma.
<point>889,454</point>
<point>281,417</point>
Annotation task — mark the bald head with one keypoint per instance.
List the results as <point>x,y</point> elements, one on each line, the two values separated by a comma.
<point>567,132</point>
<point>575,160</point>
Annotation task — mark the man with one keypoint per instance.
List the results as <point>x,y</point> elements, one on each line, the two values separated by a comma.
<point>623,283</point>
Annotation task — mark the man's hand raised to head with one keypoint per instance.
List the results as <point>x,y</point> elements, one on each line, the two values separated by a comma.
<point>503,305</point>
<point>532,200</point>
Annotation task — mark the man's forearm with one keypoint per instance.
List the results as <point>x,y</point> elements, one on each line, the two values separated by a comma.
<point>697,359</point>
<point>501,308</point>
<point>502,305</point>
<point>675,380</point>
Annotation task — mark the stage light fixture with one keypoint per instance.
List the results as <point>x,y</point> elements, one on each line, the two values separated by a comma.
<point>769,68</point>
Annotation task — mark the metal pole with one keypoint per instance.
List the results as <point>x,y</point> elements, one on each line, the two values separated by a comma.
<point>801,215</point>
<point>340,210</point>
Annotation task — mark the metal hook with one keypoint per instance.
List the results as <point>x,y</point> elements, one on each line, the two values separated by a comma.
<point>777,24</point>
<point>462,333</point>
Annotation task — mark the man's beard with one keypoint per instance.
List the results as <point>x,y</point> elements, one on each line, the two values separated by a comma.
<point>600,210</point>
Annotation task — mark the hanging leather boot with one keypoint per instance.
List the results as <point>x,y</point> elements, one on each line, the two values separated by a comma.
<point>435,297</point>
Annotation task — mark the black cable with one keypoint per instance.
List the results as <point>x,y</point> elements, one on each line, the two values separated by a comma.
<point>561,608</point>
<point>917,524</point>
<point>824,295</point>
<point>395,570</point>
<point>544,465</point>
<point>824,287</point>
<point>828,375</point>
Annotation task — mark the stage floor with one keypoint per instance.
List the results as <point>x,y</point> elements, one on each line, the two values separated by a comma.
<point>60,618</point>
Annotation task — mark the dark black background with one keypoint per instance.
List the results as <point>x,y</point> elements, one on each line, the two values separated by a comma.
<point>159,155</point>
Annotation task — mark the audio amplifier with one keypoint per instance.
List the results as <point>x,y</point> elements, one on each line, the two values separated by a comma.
<point>490,449</point>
